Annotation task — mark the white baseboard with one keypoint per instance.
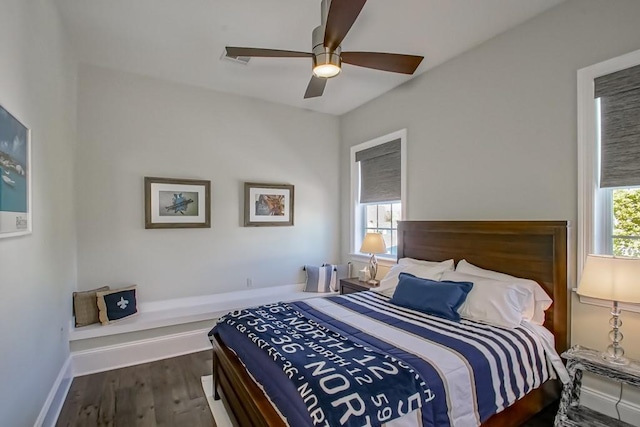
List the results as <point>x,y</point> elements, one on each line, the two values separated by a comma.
<point>606,404</point>
<point>136,352</point>
<point>58,393</point>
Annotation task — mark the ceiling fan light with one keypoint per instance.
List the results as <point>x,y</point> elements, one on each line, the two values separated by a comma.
<point>326,71</point>
<point>326,64</point>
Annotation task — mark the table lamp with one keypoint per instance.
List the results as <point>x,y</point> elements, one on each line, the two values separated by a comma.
<point>615,279</point>
<point>373,244</point>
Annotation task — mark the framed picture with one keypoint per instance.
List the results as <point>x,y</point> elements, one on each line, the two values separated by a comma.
<point>176,203</point>
<point>15,176</point>
<point>267,204</point>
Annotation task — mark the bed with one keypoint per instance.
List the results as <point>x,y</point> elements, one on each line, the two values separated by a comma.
<point>530,249</point>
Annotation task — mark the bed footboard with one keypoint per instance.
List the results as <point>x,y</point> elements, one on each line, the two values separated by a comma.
<point>244,401</point>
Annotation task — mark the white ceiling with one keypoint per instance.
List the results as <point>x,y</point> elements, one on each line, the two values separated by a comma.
<point>183,40</point>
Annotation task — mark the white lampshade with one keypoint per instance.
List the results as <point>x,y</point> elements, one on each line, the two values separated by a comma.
<point>373,243</point>
<point>611,278</point>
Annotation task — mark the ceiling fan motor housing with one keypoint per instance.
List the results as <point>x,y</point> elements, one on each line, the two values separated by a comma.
<point>321,54</point>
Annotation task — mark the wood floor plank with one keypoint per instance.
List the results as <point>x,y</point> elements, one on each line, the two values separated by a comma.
<point>125,407</point>
<point>161,389</point>
<point>91,401</point>
<point>73,403</point>
<point>145,403</point>
<point>107,405</point>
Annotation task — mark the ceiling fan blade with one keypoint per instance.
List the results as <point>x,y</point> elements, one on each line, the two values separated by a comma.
<point>268,53</point>
<point>393,62</point>
<point>315,87</point>
<point>341,16</point>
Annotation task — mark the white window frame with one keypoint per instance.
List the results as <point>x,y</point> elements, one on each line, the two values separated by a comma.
<point>356,215</point>
<point>594,210</point>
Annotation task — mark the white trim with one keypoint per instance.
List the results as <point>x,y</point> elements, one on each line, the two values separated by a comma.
<point>136,352</point>
<point>403,172</point>
<point>383,261</point>
<point>605,404</point>
<point>589,220</point>
<point>158,314</point>
<point>56,397</point>
<point>355,220</point>
<point>604,303</point>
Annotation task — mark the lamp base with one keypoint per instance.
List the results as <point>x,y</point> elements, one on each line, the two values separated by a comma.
<point>373,268</point>
<point>620,360</point>
<point>615,353</point>
<point>374,282</point>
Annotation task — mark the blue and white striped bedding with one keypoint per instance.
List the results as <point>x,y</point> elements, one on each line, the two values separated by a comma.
<point>474,370</point>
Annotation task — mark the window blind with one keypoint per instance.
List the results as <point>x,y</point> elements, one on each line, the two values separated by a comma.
<point>619,95</point>
<point>380,172</point>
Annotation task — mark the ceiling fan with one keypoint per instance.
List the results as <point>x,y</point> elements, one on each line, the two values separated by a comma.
<point>337,18</point>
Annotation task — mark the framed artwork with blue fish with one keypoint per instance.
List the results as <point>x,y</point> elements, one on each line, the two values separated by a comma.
<point>15,176</point>
<point>177,203</point>
<point>268,204</point>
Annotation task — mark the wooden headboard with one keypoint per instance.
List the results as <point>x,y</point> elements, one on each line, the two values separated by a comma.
<point>530,249</point>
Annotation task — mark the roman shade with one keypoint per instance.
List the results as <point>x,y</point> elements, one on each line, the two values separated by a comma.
<point>380,172</point>
<point>619,95</point>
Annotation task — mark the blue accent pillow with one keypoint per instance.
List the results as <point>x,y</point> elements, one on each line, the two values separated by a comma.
<point>440,299</point>
<point>117,304</point>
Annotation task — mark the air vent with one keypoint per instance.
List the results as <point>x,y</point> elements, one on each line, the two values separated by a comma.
<point>244,60</point>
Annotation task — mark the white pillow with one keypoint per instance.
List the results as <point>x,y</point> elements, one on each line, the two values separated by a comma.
<point>390,281</point>
<point>540,299</point>
<point>491,301</point>
<point>408,261</point>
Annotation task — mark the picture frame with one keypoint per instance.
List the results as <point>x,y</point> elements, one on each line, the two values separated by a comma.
<point>15,176</point>
<point>268,205</point>
<point>176,203</point>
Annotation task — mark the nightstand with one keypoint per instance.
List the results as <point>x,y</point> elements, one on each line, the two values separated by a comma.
<point>352,285</point>
<point>580,359</point>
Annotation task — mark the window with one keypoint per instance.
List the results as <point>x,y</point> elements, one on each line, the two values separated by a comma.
<point>625,237</point>
<point>617,109</point>
<point>383,218</point>
<point>378,189</point>
<point>609,159</point>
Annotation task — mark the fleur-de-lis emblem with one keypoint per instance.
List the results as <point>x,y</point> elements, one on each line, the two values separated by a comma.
<point>122,303</point>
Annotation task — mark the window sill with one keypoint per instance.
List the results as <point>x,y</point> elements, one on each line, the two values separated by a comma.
<point>634,308</point>
<point>386,261</point>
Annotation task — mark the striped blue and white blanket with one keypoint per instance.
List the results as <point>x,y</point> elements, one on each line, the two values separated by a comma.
<point>472,370</point>
<point>340,381</point>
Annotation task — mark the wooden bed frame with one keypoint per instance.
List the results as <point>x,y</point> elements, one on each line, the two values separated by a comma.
<point>530,249</point>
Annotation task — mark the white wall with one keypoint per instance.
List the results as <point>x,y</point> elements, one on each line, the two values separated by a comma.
<point>492,133</point>
<point>38,271</point>
<point>131,126</point>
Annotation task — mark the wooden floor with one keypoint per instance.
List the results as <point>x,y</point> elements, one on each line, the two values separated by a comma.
<point>163,393</point>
